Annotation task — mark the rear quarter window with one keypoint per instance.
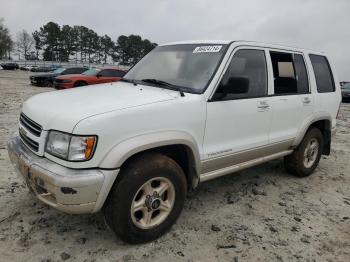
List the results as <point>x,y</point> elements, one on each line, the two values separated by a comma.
<point>323,74</point>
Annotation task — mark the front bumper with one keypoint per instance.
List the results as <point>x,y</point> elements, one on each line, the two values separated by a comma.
<point>72,191</point>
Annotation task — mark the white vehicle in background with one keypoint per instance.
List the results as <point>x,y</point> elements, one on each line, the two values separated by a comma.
<point>28,67</point>
<point>188,112</point>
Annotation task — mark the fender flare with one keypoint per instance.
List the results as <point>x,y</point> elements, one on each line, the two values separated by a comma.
<point>323,115</point>
<point>122,151</point>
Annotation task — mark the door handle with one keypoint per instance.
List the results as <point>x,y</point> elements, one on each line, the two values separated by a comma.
<point>263,105</point>
<point>306,100</point>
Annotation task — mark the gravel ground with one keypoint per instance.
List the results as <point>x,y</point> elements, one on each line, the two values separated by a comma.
<point>261,214</point>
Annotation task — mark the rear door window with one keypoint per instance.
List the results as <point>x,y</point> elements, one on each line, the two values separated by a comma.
<point>118,73</point>
<point>323,74</point>
<point>111,73</point>
<point>289,72</point>
<point>105,73</point>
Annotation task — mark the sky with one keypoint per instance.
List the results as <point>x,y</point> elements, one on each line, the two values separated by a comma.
<point>321,25</point>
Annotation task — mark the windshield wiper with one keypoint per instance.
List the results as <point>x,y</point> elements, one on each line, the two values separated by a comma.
<point>163,83</point>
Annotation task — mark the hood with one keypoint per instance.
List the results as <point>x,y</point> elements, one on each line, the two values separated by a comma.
<point>62,110</point>
<point>44,75</point>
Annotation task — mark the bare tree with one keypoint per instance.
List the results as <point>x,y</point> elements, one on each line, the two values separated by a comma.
<point>6,43</point>
<point>25,43</point>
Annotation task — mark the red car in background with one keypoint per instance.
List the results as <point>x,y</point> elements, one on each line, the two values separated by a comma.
<point>90,77</point>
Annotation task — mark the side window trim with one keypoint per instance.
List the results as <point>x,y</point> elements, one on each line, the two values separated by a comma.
<point>227,65</point>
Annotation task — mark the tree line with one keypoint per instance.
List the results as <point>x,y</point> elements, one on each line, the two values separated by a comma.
<point>6,43</point>
<point>53,42</point>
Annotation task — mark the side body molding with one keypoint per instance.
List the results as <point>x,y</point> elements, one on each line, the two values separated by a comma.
<point>131,146</point>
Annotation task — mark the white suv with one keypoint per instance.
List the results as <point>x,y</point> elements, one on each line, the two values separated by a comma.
<point>186,113</point>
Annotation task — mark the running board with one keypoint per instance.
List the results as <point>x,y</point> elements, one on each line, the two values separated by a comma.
<point>227,170</point>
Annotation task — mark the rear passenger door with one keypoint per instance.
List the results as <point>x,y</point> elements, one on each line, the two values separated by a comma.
<point>238,123</point>
<point>110,75</point>
<point>292,102</point>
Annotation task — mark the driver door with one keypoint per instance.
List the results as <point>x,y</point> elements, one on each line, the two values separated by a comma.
<point>239,113</point>
<point>106,76</point>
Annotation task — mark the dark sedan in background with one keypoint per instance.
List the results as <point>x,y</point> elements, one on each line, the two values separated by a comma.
<point>49,68</point>
<point>48,78</point>
<point>345,92</point>
<point>10,66</point>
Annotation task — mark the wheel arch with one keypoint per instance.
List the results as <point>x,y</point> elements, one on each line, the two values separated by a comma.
<point>324,124</point>
<point>179,146</point>
<point>80,81</point>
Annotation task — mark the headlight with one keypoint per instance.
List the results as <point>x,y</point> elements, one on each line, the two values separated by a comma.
<point>70,147</point>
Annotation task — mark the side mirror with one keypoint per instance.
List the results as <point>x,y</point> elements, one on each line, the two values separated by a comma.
<point>98,75</point>
<point>236,85</point>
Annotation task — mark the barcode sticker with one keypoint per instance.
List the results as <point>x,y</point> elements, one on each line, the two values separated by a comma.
<point>208,49</point>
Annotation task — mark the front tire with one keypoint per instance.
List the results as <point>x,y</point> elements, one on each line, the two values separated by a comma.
<point>306,157</point>
<point>147,200</point>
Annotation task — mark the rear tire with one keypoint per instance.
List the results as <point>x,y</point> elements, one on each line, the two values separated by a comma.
<point>306,157</point>
<point>147,199</point>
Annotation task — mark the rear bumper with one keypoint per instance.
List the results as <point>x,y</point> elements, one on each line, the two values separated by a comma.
<point>69,190</point>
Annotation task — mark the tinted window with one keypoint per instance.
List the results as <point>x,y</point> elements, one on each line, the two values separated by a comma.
<point>289,72</point>
<point>106,72</point>
<point>247,67</point>
<point>118,73</point>
<point>111,73</point>
<point>323,74</point>
<point>284,73</point>
<point>301,74</point>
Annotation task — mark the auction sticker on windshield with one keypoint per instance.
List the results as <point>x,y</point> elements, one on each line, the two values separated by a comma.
<point>208,49</point>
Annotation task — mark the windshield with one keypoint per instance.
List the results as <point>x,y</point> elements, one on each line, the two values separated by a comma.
<point>189,66</point>
<point>59,70</point>
<point>91,72</point>
<point>346,86</point>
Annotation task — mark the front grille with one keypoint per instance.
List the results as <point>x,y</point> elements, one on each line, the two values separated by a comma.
<point>30,125</point>
<point>29,142</point>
